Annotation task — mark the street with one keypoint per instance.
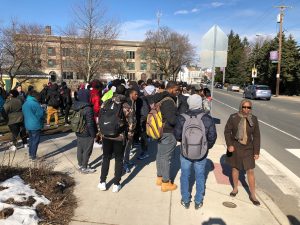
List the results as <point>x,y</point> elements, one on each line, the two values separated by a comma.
<point>277,171</point>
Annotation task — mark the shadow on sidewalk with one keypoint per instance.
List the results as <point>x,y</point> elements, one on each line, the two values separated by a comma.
<point>226,169</point>
<point>214,221</point>
<point>293,220</point>
<point>140,164</point>
<point>65,148</point>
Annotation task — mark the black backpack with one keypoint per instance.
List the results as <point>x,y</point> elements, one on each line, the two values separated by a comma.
<point>111,121</point>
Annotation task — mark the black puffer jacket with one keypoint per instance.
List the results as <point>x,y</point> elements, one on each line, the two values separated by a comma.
<point>210,127</point>
<point>144,110</point>
<point>90,129</point>
<point>182,104</point>
<point>168,110</point>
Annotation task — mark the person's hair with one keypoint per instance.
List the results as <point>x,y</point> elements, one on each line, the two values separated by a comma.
<point>14,93</point>
<point>243,102</point>
<point>63,83</point>
<point>35,94</point>
<point>123,81</point>
<point>131,90</point>
<point>162,85</point>
<point>149,82</point>
<point>206,92</point>
<point>30,88</point>
<point>140,82</point>
<point>120,89</point>
<point>171,84</point>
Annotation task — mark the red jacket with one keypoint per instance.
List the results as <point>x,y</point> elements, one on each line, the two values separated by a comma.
<point>95,100</point>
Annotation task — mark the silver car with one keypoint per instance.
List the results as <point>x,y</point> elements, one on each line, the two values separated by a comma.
<point>257,92</point>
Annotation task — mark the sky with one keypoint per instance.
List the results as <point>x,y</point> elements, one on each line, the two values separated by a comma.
<point>189,17</point>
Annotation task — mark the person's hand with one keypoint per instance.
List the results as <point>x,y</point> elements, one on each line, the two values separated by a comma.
<point>256,157</point>
<point>231,148</point>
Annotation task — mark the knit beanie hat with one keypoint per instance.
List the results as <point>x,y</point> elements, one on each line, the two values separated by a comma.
<point>195,102</point>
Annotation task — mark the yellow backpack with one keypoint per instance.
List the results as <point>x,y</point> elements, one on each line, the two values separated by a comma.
<point>154,124</point>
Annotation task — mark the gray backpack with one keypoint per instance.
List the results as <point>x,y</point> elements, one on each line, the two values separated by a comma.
<point>194,143</point>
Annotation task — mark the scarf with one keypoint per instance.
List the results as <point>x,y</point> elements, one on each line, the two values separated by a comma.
<point>241,134</point>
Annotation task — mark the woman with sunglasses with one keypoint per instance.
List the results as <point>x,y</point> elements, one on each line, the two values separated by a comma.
<point>242,137</point>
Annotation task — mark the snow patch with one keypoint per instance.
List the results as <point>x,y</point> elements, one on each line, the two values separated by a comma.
<point>20,192</point>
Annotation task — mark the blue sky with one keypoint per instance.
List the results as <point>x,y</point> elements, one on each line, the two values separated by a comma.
<point>190,17</point>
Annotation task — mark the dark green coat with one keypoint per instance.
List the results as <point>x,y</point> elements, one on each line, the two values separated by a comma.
<point>13,109</point>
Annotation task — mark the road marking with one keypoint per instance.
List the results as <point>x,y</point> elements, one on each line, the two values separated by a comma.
<point>297,138</point>
<point>283,178</point>
<point>294,151</point>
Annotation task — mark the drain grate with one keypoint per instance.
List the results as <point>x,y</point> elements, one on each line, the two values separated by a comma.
<point>229,204</point>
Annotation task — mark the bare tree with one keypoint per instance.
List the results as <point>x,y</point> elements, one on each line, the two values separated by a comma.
<point>169,50</point>
<point>21,49</point>
<point>90,37</point>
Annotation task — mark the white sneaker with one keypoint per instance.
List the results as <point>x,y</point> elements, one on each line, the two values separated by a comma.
<point>102,186</point>
<point>12,148</point>
<point>25,146</point>
<point>116,188</point>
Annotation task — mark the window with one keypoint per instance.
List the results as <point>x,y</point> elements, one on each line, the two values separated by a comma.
<point>66,52</point>
<point>67,63</point>
<point>82,52</point>
<point>130,54</point>
<point>143,55</point>
<point>130,66</point>
<point>143,66</point>
<point>153,66</point>
<point>67,75</point>
<point>119,54</point>
<point>130,76</point>
<point>51,51</point>
<point>51,63</point>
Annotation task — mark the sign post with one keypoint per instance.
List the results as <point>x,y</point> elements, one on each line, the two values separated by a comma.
<point>214,47</point>
<point>254,74</point>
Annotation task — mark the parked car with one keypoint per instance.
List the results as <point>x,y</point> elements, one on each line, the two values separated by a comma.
<point>219,85</point>
<point>233,87</point>
<point>258,92</point>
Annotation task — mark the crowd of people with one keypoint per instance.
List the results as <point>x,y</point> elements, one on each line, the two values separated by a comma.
<point>115,115</point>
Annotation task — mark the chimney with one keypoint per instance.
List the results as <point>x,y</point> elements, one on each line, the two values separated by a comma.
<point>48,30</point>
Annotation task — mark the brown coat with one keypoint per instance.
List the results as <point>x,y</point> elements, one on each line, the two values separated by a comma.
<point>243,156</point>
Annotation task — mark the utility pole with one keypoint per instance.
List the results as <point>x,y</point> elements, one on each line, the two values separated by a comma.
<point>281,14</point>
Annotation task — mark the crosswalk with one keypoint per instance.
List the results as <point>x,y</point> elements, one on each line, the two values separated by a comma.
<point>281,176</point>
<point>294,151</point>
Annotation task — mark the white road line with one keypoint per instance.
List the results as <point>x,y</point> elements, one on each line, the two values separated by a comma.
<point>283,178</point>
<point>294,151</point>
<point>297,138</point>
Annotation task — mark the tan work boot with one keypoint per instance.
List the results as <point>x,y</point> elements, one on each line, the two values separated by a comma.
<point>168,186</point>
<point>158,181</point>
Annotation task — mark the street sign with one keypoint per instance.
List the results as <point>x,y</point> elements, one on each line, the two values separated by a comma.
<point>214,47</point>
<point>254,72</point>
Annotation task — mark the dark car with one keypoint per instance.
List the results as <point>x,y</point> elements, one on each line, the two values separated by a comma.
<point>257,92</point>
<point>219,85</point>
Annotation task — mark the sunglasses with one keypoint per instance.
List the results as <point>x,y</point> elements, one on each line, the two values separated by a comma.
<point>246,107</point>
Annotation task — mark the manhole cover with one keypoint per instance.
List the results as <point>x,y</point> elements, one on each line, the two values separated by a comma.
<point>229,204</point>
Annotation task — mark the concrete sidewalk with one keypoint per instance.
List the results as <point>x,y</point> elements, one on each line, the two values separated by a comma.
<point>140,201</point>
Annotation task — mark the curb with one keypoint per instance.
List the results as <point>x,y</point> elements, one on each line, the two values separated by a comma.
<point>273,208</point>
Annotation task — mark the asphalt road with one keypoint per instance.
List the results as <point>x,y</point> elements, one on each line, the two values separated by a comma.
<point>280,130</point>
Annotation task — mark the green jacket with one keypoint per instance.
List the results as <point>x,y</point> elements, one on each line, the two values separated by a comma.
<point>13,109</point>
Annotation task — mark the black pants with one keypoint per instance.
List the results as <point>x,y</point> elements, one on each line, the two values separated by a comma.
<point>144,141</point>
<point>110,147</point>
<point>67,110</point>
<point>84,150</point>
<point>16,129</point>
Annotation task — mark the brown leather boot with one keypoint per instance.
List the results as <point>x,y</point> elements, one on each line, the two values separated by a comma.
<point>158,181</point>
<point>168,186</point>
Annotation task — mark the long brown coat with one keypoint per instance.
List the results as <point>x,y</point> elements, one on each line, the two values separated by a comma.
<point>243,156</point>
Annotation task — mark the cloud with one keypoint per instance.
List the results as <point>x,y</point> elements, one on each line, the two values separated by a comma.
<point>181,12</point>
<point>217,4</point>
<point>135,30</point>
<point>184,11</point>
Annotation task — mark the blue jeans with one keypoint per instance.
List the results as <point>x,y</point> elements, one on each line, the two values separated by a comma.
<point>199,168</point>
<point>34,140</point>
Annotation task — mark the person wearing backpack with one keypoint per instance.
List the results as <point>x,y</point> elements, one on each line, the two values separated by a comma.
<point>167,142</point>
<point>53,101</point>
<point>196,131</point>
<point>116,123</point>
<point>84,126</point>
<point>66,101</point>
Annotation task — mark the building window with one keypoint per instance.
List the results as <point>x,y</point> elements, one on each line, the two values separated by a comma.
<point>130,76</point>
<point>51,51</point>
<point>143,55</point>
<point>67,63</point>
<point>130,66</point>
<point>67,75</point>
<point>82,52</point>
<point>130,54</point>
<point>51,63</point>
<point>66,52</point>
<point>153,66</point>
<point>143,66</point>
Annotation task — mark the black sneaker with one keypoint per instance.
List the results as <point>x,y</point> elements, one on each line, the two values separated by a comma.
<point>185,204</point>
<point>198,205</point>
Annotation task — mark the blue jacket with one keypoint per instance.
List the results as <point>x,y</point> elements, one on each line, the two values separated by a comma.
<point>2,101</point>
<point>33,114</point>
